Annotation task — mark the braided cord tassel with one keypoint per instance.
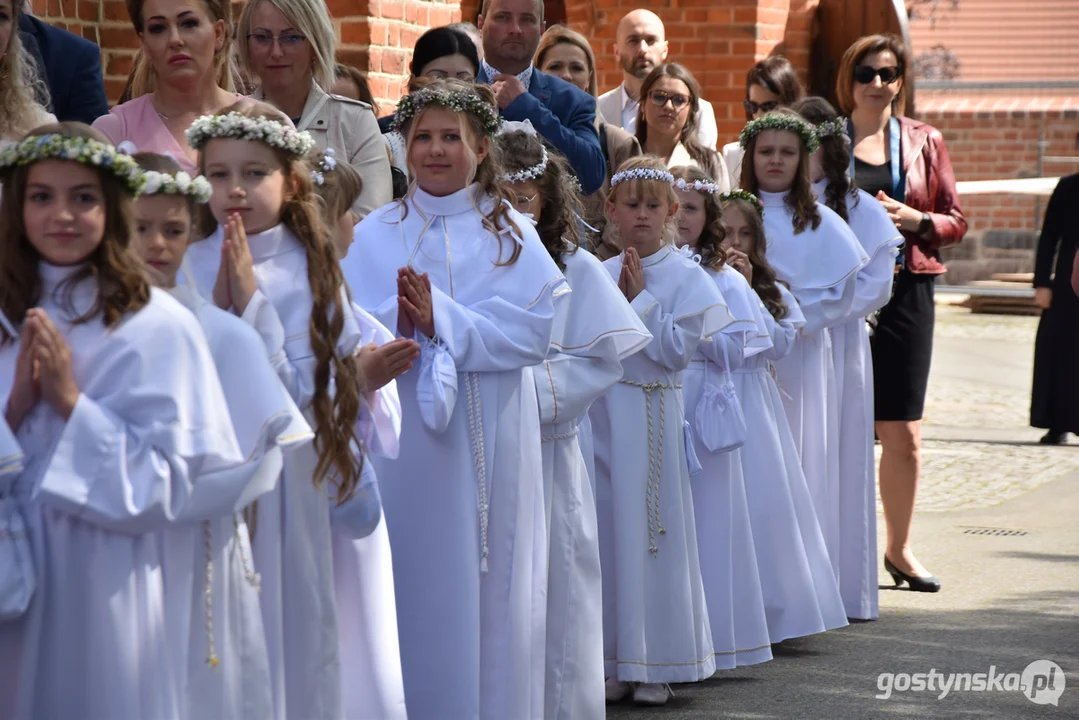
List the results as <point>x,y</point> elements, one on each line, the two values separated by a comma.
<point>208,594</point>
<point>479,456</point>
<point>252,577</point>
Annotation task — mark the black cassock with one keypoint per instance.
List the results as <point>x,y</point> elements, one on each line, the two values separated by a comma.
<point>1055,398</point>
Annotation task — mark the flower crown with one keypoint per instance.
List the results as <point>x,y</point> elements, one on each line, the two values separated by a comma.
<point>85,151</point>
<point>238,126</point>
<point>642,174</point>
<point>748,197</point>
<point>163,183</point>
<point>533,172</point>
<point>459,101</point>
<point>829,128</point>
<point>325,165</point>
<point>781,121</point>
<point>697,185</point>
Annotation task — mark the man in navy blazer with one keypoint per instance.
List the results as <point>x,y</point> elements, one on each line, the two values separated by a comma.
<point>71,69</point>
<point>562,114</point>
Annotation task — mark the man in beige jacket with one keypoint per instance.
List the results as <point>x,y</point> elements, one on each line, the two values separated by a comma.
<point>640,46</point>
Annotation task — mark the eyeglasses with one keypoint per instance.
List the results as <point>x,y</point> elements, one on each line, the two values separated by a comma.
<point>287,41</point>
<point>660,98</point>
<point>443,75</point>
<point>753,108</point>
<point>864,74</point>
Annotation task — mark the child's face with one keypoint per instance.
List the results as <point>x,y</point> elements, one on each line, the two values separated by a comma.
<point>438,153</point>
<point>343,232</point>
<point>164,229</point>
<point>64,211</point>
<point>528,199</point>
<point>775,160</point>
<point>639,217</point>
<point>247,180</point>
<point>739,234</point>
<point>691,216</point>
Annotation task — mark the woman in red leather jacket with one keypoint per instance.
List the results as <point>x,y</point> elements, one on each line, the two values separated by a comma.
<point>904,164</point>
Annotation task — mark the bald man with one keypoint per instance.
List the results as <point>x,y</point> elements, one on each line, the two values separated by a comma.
<point>640,46</point>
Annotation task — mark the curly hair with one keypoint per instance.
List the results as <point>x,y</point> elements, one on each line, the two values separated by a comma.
<point>800,199</point>
<point>20,87</point>
<point>765,283</point>
<point>557,223</point>
<point>706,158</point>
<point>834,155</point>
<point>122,287</point>
<point>710,243</point>
<point>639,188</point>
<point>485,174</point>
<point>336,414</point>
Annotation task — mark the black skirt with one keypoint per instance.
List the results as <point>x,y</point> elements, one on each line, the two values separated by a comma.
<point>903,349</point>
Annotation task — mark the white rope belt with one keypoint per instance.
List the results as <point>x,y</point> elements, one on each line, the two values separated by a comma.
<point>561,436</point>
<point>479,456</point>
<point>655,456</point>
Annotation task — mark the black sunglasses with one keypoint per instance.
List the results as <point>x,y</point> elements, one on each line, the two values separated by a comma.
<point>864,74</point>
<point>753,108</point>
<point>659,99</point>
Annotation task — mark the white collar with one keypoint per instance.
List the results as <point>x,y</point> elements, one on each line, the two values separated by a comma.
<point>464,200</point>
<point>525,76</point>
<point>627,101</point>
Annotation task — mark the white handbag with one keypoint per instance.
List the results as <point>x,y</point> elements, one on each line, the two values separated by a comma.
<point>17,578</point>
<point>721,424</point>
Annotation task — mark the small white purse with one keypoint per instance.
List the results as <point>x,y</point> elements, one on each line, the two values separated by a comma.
<point>721,424</point>
<point>17,578</point>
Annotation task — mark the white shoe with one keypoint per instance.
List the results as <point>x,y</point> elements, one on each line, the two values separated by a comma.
<point>616,689</point>
<point>651,694</point>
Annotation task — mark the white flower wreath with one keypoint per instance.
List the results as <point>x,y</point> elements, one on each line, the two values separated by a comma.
<point>781,121</point>
<point>85,151</point>
<point>162,183</point>
<point>739,194</point>
<point>697,185</point>
<point>642,174</point>
<point>325,165</point>
<point>829,128</point>
<point>240,127</point>
<point>459,101</point>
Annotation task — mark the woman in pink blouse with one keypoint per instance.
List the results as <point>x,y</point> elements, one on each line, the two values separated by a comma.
<point>185,72</point>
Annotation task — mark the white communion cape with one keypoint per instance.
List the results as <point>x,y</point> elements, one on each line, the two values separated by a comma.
<point>464,498</point>
<point>729,562</point>
<point>97,491</point>
<point>594,329</point>
<point>655,619</point>
<point>10,452</point>
<point>854,376</point>
<point>821,267</point>
<point>292,540</point>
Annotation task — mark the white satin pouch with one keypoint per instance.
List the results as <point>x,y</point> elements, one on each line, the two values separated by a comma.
<point>721,423</point>
<point>436,389</point>
<point>17,578</point>
<point>358,516</point>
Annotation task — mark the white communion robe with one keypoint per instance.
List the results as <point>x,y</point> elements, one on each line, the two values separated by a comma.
<point>470,585</point>
<point>854,376</point>
<point>10,452</point>
<point>655,618</point>
<point>268,425</point>
<point>594,329</point>
<point>292,543</point>
<point>801,595</point>
<point>729,562</point>
<point>97,491</point>
<point>821,267</point>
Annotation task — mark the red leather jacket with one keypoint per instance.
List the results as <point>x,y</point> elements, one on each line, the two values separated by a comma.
<point>930,189</point>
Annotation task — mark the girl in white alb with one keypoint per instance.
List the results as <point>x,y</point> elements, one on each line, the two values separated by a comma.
<point>271,261</point>
<point>454,266</point>
<point>112,393</point>
<point>817,255</point>
<point>729,563</point>
<point>801,596</point>
<point>655,619</point>
<point>594,329</point>
<point>881,241</point>
<point>221,650</point>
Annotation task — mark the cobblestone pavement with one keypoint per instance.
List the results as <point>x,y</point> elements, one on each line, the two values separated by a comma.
<point>979,389</point>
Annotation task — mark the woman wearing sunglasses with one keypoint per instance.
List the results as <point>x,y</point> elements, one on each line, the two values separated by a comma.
<point>667,122</point>
<point>772,83</point>
<point>905,165</point>
<point>289,46</point>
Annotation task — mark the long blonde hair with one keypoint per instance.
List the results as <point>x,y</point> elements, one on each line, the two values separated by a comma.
<point>143,78</point>
<point>20,85</point>
<point>310,19</point>
<point>639,188</point>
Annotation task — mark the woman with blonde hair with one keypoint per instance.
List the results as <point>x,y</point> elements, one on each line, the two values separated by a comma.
<point>19,83</point>
<point>566,54</point>
<point>289,46</point>
<point>183,71</point>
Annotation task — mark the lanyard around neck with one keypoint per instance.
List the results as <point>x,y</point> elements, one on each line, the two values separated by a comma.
<point>899,178</point>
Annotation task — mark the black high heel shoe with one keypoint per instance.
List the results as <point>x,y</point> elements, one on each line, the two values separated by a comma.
<point>915,583</point>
